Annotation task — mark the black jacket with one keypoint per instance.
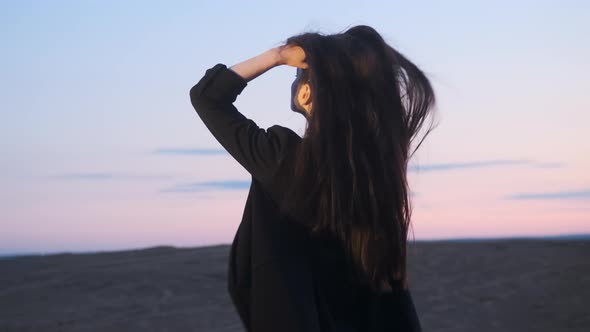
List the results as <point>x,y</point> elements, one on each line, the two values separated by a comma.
<point>279,277</point>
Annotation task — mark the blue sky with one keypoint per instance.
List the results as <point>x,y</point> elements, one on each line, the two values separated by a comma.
<point>101,148</point>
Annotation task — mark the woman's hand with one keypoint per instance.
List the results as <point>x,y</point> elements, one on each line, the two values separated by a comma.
<point>291,55</point>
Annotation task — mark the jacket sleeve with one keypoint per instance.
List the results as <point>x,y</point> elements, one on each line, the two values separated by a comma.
<point>258,150</point>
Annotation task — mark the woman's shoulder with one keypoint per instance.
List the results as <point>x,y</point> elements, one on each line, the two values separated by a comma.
<point>286,134</point>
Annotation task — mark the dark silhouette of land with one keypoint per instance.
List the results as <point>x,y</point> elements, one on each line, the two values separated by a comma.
<point>493,285</point>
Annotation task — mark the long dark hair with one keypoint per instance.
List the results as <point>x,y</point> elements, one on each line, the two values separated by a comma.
<point>368,104</point>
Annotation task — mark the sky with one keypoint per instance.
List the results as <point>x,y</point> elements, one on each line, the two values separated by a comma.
<point>102,150</point>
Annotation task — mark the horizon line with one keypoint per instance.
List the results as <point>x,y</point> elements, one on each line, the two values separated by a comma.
<point>562,236</point>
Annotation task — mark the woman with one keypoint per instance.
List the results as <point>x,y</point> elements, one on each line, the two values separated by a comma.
<point>322,242</point>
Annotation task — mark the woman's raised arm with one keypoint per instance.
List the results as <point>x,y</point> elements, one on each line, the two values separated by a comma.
<point>258,65</point>
<point>257,149</point>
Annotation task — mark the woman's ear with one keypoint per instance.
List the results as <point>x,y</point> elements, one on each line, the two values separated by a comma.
<point>306,93</point>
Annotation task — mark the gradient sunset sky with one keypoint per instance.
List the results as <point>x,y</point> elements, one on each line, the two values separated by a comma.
<point>102,149</point>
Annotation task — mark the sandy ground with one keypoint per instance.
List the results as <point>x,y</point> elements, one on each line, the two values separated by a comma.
<point>500,285</point>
